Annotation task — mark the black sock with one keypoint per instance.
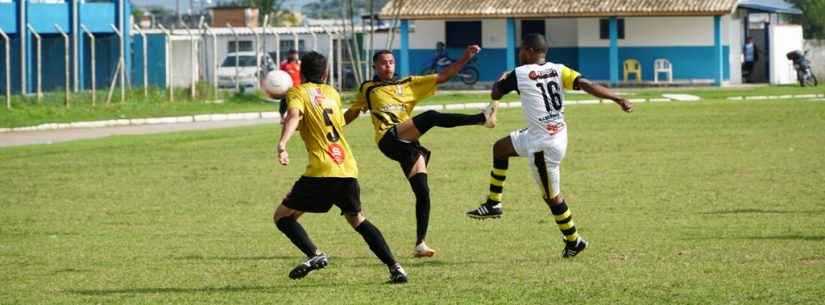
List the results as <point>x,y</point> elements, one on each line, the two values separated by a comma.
<point>376,241</point>
<point>422,204</point>
<point>423,122</point>
<point>295,232</point>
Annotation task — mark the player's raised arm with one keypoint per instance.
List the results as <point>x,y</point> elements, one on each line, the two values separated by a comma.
<point>453,69</point>
<point>505,84</point>
<point>293,116</point>
<point>602,92</point>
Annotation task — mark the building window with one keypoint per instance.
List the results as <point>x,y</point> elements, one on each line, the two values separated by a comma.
<point>460,34</point>
<point>245,46</point>
<point>532,27</point>
<point>604,28</point>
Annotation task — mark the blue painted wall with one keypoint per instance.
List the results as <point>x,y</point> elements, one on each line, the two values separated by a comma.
<point>8,17</point>
<point>98,16</point>
<point>58,13</point>
<point>593,62</point>
<point>15,65</point>
<point>106,60</point>
<point>156,60</point>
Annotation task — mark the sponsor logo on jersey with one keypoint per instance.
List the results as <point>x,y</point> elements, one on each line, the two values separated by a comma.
<point>542,74</point>
<point>393,108</point>
<point>337,153</point>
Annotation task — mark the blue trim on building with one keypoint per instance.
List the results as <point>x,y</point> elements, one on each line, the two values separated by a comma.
<point>405,49</point>
<point>593,62</point>
<point>614,50</point>
<point>98,16</point>
<point>8,17</point>
<point>58,13</point>
<point>15,64</point>
<point>718,54</point>
<point>155,60</point>
<point>511,43</point>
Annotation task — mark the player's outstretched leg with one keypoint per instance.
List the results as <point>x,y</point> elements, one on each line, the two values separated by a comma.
<point>573,243</point>
<point>375,240</point>
<point>491,208</point>
<point>431,118</point>
<point>286,220</point>
<point>421,189</point>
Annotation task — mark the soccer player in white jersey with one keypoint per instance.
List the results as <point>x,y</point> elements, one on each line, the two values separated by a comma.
<point>541,86</point>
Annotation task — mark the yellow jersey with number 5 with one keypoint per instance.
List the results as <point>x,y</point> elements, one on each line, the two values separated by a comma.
<point>322,129</point>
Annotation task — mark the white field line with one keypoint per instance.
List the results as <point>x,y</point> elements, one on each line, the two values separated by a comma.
<point>275,117</point>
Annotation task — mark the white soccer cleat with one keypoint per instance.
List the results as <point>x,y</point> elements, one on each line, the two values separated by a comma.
<point>422,250</point>
<point>490,114</point>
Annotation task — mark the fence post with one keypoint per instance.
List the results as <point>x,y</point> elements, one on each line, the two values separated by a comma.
<point>122,63</point>
<point>66,63</point>
<point>39,66</point>
<point>92,55</point>
<point>168,50</point>
<point>8,67</point>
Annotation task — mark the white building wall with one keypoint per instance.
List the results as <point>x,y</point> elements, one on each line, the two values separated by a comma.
<point>493,33</point>
<point>651,31</point>
<point>561,32</point>
<point>734,37</point>
<point>784,39</point>
<point>425,34</point>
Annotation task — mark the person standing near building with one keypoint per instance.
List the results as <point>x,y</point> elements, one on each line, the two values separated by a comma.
<point>751,55</point>
<point>292,66</point>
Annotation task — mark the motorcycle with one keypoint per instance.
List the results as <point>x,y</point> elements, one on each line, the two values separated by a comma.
<point>468,74</point>
<point>804,72</point>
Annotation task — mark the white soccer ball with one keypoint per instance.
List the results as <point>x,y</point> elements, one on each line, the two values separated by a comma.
<point>277,83</point>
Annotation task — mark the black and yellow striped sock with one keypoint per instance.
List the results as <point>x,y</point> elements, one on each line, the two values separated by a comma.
<point>497,177</point>
<point>564,219</point>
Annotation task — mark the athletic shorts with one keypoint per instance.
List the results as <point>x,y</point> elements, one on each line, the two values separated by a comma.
<point>404,152</point>
<point>545,155</point>
<point>317,195</point>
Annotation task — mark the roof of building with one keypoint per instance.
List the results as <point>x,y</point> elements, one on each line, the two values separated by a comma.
<point>770,6</point>
<point>441,9</point>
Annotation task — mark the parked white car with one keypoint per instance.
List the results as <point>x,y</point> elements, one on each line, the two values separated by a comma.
<point>244,71</point>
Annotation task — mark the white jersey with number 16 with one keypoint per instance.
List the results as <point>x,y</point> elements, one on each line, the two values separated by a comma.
<point>541,87</point>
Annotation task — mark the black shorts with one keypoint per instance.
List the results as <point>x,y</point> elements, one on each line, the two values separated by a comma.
<point>404,152</point>
<point>317,195</point>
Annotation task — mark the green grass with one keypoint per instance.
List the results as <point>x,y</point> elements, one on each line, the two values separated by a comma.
<point>684,203</point>
<point>27,112</point>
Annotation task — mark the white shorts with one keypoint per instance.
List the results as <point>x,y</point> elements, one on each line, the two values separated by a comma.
<point>545,154</point>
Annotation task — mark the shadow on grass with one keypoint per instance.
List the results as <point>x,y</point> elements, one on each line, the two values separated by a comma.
<point>763,211</point>
<point>271,257</point>
<point>150,290</point>
<point>789,237</point>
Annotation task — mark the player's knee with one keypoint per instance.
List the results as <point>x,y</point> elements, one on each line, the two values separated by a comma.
<point>354,218</point>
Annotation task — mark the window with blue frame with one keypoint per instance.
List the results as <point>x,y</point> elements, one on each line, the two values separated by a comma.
<point>604,28</point>
<point>459,34</point>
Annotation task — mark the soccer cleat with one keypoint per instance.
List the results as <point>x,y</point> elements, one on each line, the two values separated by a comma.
<point>422,250</point>
<point>486,210</point>
<point>316,262</point>
<point>573,248</point>
<point>397,275</point>
<point>490,114</point>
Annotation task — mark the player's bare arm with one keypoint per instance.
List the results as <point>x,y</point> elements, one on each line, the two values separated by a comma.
<point>293,116</point>
<point>602,92</point>
<point>453,69</point>
<point>351,114</point>
<point>496,93</point>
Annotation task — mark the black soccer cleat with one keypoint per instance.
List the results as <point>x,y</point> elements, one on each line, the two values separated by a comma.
<point>486,210</point>
<point>573,248</point>
<point>316,262</point>
<point>397,275</point>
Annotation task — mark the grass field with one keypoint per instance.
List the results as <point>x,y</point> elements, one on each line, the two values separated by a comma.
<point>684,203</point>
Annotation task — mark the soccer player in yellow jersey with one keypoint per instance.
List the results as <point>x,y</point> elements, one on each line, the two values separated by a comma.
<point>541,86</point>
<point>314,109</point>
<point>390,102</point>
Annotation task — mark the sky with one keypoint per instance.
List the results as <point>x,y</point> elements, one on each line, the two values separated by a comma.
<point>184,4</point>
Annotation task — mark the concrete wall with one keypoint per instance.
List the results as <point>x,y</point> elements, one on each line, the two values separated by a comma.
<point>784,39</point>
<point>816,55</point>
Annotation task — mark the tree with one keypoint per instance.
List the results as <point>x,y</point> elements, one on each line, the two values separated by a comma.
<point>813,17</point>
<point>265,7</point>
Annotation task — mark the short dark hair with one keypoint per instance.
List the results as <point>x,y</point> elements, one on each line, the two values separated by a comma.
<point>535,42</point>
<point>379,53</point>
<point>313,66</point>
